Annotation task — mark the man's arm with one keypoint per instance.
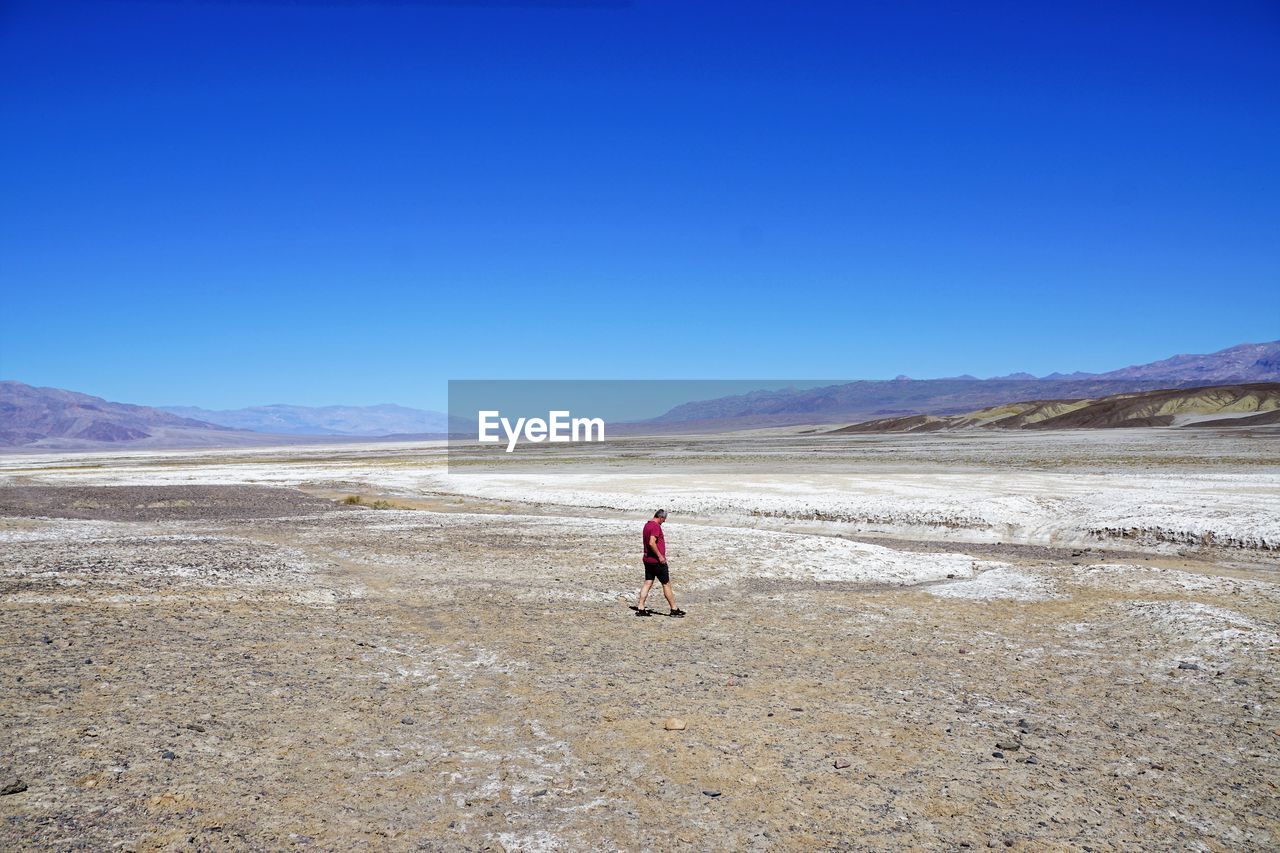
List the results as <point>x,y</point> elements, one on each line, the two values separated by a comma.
<point>653,546</point>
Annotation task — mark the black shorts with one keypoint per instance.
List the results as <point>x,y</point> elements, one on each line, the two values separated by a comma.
<point>657,571</point>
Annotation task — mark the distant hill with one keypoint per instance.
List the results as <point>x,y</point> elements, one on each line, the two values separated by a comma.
<point>1222,405</point>
<point>875,398</point>
<point>373,421</point>
<point>871,399</point>
<point>57,418</point>
<point>1243,363</point>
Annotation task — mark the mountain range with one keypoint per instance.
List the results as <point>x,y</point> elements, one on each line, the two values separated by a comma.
<point>1240,363</point>
<point>380,421</point>
<point>876,399</point>
<point>1248,405</point>
<point>54,418</point>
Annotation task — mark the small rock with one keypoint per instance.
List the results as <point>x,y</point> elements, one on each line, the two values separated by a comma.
<point>1188,665</point>
<point>195,727</point>
<point>11,784</point>
<point>1239,681</point>
<point>840,763</point>
<point>407,721</point>
<point>1010,745</point>
<point>674,724</point>
<point>964,651</point>
<point>168,755</point>
<point>1031,759</point>
<point>540,793</point>
<point>950,575</point>
<point>797,709</point>
<point>997,754</point>
<point>710,792</point>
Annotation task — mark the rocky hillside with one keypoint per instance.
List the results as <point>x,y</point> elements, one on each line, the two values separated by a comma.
<point>1223,405</point>
<point>57,418</point>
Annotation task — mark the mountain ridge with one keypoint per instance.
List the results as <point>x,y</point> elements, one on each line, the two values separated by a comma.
<point>377,421</point>
<point>36,417</point>
<point>30,414</point>
<point>1249,404</point>
<point>865,399</point>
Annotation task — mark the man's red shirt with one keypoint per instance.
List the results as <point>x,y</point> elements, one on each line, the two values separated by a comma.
<point>653,528</point>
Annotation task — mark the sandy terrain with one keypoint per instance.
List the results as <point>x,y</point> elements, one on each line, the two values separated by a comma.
<point>1038,642</point>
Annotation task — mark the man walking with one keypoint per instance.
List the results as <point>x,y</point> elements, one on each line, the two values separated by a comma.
<point>655,564</point>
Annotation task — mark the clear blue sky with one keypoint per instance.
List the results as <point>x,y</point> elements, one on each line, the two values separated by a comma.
<point>235,203</point>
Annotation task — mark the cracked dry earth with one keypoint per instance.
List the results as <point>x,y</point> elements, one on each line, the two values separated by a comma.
<point>244,667</point>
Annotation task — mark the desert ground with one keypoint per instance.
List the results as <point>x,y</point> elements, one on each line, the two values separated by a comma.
<point>1065,641</point>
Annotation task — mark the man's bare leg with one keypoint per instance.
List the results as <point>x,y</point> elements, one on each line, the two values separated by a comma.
<point>644,593</point>
<point>671,599</point>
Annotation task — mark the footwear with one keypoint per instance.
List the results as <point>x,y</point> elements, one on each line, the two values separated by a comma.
<point>677,613</point>
<point>644,612</point>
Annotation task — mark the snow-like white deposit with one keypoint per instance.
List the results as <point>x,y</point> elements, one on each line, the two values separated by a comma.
<point>701,554</point>
<point>1141,509</point>
<point>823,558</point>
<point>60,530</point>
<point>1159,490</point>
<point>1153,579</point>
<point>1209,631</point>
<point>1003,582</point>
